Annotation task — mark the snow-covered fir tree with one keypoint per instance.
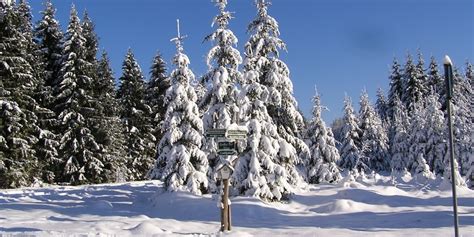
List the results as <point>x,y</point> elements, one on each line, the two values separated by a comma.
<point>436,134</point>
<point>350,149</point>
<point>413,87</point>
<point>136,116</point>
<point>417,140</point>
<point>109,130</point>
<point>462,121</point>
<point>381,106</point>
<point>78,149</point>
<point>398,137</point>
<point>262,55</point>
<point>416,137</point>
<point>374,139</point>
<point>321,166</point>
<point>422,77</point>
<point>219,104</point>
<point>258,171</point>
<point>49,37</point>
<point>435,81</point>
<point>49,40</point>
<point>19,83</point>
<point>92,41</point>
<point>396,86</point>
<point>155,93</point>
<point>180,163</point>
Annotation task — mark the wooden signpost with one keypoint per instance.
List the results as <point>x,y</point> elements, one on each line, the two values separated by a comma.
<point>226,146</point>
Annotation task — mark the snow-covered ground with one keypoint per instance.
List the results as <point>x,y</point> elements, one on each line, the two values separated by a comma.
<point>365,208</point>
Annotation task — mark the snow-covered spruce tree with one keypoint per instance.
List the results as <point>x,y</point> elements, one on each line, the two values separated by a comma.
<point>416,137</point>
<point>155,94</point>
<point>49,37</point>
<point>374,139</point>
<point>180,163</point>
<point>136,116</point>
<point>108,127</point>
<point>258,171</point>
<point>398,137</point>
<point>463,122</point>
<point>417,140</point>
<point>436,134</point>
<point>413,87</point>
<point>219,104</point>
<point>19,121</point>
<point>435,80</point>
<point>396,86</point>
<point>336,127</point>
<point>470,164</point>
<point>78,150</point>
<point>262,55</point>
<point>92,41</point>
<point>351,157</point>
<point>381,106</point>
<point>422,77</point>
<point>321,166</point>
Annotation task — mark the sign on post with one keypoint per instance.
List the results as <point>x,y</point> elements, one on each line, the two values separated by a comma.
<point>226,148</point>
<point>215,133</point>
<point>236,134</point>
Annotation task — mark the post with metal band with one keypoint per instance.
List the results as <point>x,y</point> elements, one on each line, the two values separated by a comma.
<point>448,73</point>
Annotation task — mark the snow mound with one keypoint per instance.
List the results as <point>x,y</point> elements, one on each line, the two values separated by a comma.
<point>343,206</point>
<point>103,205</point>
<point>146,229</point>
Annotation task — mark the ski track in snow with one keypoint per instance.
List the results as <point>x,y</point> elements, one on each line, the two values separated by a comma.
<point>365,208</point>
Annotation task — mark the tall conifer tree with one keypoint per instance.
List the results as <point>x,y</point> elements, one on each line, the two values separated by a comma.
<point>180,163</point>
<point>136,116</point>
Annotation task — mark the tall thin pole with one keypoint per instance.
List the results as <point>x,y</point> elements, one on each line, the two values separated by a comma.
<point>448,72</point>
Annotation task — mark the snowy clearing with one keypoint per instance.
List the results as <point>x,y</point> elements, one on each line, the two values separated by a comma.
<point>364,208</point>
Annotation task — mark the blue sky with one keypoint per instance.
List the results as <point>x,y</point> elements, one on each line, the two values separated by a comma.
<point>342,46</point>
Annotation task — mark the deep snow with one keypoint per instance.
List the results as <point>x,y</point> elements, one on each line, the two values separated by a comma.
<point>369,207</point>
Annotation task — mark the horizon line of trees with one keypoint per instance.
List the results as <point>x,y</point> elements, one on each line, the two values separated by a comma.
<point>64,120</point>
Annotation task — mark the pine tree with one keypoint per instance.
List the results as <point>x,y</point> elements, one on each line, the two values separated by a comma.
<point>180,163</point>
<point>463,121</point>
<point>396,87</point>
<point>374,138</point>
<point>258,171</point>
<point>435,81</point>
<point>398,137</point>
<point>219,104</point>
<point>436,143</point>
<point>262,55</point>
<point>92,42</point>
<point>78,150</point>
<point>422,77</point>
<point>48,37</point>
<point>136,116</point>
<point>416,138</point>
<point>155,94</point>
<point>381,106</point>
<point>351,157</point>
<point>321,167</point>
<point>109,130</point>
<point>470,164</point>
<point>413,88</point>
<point>19,83</point>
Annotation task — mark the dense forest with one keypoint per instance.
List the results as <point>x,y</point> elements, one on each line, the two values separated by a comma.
<point>65,119</point>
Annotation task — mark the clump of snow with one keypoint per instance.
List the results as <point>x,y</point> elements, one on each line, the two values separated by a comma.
<point>102,204</point>
<point>147,229</point>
